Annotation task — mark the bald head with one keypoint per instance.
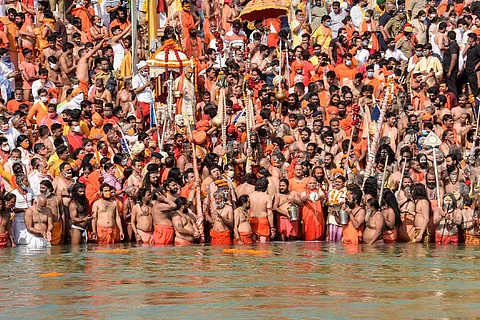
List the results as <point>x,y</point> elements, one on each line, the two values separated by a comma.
<point>41,201</point>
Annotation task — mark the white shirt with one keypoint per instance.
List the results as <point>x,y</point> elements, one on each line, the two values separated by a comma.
<point>336,21</point>
<point>118,55</point>
<point>5,71</point>
<point>11,134</point>
<point>397,54</point>
<point>411,64</point>
<point>34,179</point>
<point>37,85</point>
<point>362,56</point>
<point>20,233</point>
<point>146,94</point>
<point>357,15</point>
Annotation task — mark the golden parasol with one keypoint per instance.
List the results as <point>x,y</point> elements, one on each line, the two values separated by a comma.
<point>263,9</point>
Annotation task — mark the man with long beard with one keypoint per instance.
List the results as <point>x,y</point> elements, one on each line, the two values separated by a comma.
<point>284,200</point>
<point>353,231</point>
<point>447,219</point>
<point>106,216</point>
<point>221,218</point>
<point>142,217</point>
<point>454,176</point>
<point>432,190</point>
<point>78,209</point>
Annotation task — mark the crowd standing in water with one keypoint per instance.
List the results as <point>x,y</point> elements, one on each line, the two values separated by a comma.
<point>353,122</point>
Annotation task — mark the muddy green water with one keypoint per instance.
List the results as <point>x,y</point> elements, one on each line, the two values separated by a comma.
<point>289,281</point>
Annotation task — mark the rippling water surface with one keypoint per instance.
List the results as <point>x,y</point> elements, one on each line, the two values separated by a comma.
<point>285,281</point>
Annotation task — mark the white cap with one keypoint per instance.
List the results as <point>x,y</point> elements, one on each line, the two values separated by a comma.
<point>141,64</point>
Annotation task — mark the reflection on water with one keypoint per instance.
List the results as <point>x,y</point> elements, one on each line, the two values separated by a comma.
<point>292,281</point>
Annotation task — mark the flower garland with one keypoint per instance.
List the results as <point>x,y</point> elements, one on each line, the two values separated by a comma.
<point>218,42</point>
<point>246,51</point>
<point>355,115</point>
<point>171,45</point>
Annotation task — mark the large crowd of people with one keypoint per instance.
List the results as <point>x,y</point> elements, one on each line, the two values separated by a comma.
<point>340,121</point>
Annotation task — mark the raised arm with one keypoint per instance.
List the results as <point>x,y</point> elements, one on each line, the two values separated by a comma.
<point>116,38</point>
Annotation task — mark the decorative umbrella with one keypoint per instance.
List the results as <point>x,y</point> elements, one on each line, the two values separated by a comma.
<point>169,57</point>
<point>263,9</point>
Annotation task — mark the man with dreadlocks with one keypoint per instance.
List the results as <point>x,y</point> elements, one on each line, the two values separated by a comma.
<point>79,214</point>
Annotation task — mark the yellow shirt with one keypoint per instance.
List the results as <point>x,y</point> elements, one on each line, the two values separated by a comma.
<point>83,127</point>
<point>322,38</point>
<point>55,167</point>
<point>429,64</point>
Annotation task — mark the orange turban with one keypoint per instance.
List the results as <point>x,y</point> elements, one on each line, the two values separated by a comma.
<point>199,137</point>
<point>75,92</point>
<point>97,119</point>
<point>288,139</point>
<point>203,125</point>
<point>427,116</point>
<point>331,110</point>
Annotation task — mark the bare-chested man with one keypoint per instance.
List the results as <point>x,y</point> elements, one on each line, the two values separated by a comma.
<point>128,204</point>
<point>186,230</point>
<point>248,186</point>
<point>352,232</point>
<point>136,179</point>
<point>141,218</point>
<point>471,224</point>
<point>407,209</point>
<point>162,212</point>
<point>39,223</point>
<point>63,182</point>
<point>55,204</point>
<point>447,219</point>
<point>284,200</point>
<point>106,216</point>
<point>172,189</point>
<point>374,222</point>
<point>242,229</point>
<point>67,64</point>
<point>221,218</point>
<point>454,176</point>
<point>261,218</point>
<point>79,215</point>
<point>272,181</point>
<point>422,214</point>
<point>83,69</point>
<point>51,50</point>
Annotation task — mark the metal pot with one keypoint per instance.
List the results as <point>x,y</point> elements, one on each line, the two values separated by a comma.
<point>343,217</point>
<point>293,210</point>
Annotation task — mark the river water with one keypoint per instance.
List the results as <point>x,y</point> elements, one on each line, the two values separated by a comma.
<point>296,280</point>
